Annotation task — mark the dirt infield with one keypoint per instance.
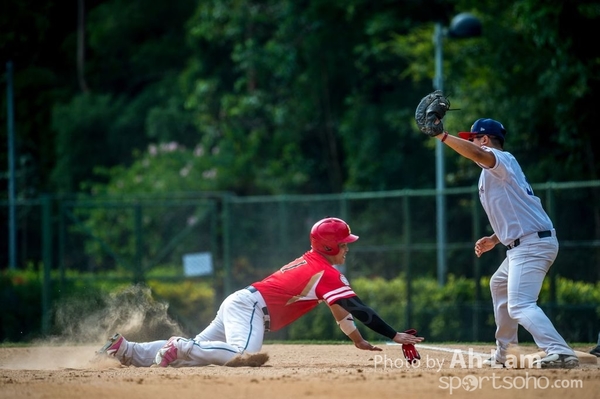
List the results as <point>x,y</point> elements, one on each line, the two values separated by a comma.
<point>293,371</point>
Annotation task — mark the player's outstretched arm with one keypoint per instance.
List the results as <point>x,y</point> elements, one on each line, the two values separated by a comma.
<point>355,307</point>
<point>371,319</point>
<point>469,150</point>
<point>346,323</point>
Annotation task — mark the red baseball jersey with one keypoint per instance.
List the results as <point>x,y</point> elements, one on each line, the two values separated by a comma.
<point>299,286</point>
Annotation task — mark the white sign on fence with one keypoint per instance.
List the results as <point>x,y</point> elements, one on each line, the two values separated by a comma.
<point>198,264</point>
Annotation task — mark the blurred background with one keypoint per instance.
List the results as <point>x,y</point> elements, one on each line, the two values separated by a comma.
<point>187,147</point>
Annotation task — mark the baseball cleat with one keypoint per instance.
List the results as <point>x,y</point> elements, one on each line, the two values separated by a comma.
<point>248,360</point>
<point>167,354</point>
<point>556,361</point>
<point>596,351</point>
<point>491,362</point>
<point>112,345</point>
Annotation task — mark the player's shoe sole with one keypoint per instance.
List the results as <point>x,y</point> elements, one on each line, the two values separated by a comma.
<point>112,345</point>
<point>596,351</point>
<point>167,354</point>
<point>556,361</point>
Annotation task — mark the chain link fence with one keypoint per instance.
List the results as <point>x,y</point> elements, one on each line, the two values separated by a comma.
<point>233,241</point>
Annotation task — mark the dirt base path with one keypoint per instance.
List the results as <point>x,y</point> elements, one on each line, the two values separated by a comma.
<point>293,371</point>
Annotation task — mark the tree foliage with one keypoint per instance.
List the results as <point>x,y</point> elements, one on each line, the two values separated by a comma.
<point>287,96</point>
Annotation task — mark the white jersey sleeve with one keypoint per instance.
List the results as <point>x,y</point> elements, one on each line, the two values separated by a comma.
<point>508,199</point>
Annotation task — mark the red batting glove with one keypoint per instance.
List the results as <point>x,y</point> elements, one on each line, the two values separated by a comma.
<point>410,352</point>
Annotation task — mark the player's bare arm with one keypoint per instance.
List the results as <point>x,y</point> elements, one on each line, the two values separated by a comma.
<point>485,244</point>
<point>471,150</point>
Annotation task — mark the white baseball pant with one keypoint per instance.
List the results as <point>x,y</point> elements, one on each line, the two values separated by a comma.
<point>515,287</point>
<point>237,328</point>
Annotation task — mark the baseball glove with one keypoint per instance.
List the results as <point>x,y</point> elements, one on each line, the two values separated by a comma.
<point>430,111</point>
<point>410,352</point>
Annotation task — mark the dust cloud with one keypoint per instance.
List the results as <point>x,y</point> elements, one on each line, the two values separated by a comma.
<point>132,312</point>
<point>86,323</point>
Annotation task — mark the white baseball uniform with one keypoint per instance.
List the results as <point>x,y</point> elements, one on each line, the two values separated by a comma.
<point>521,223</point>
<point>243,317</point>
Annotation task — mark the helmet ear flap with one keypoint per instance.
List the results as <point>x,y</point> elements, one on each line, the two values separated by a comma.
<point>324,246</point>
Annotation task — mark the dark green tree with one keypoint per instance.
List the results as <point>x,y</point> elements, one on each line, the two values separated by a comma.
<point>529,70</point>
<point>303,96</point>
<point>31,38</point>
<point>135,50</point>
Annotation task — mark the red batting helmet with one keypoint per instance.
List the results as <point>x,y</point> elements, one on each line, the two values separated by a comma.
<point>327,233</point>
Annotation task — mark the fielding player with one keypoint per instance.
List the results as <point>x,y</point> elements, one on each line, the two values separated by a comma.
<point>520,223</point>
